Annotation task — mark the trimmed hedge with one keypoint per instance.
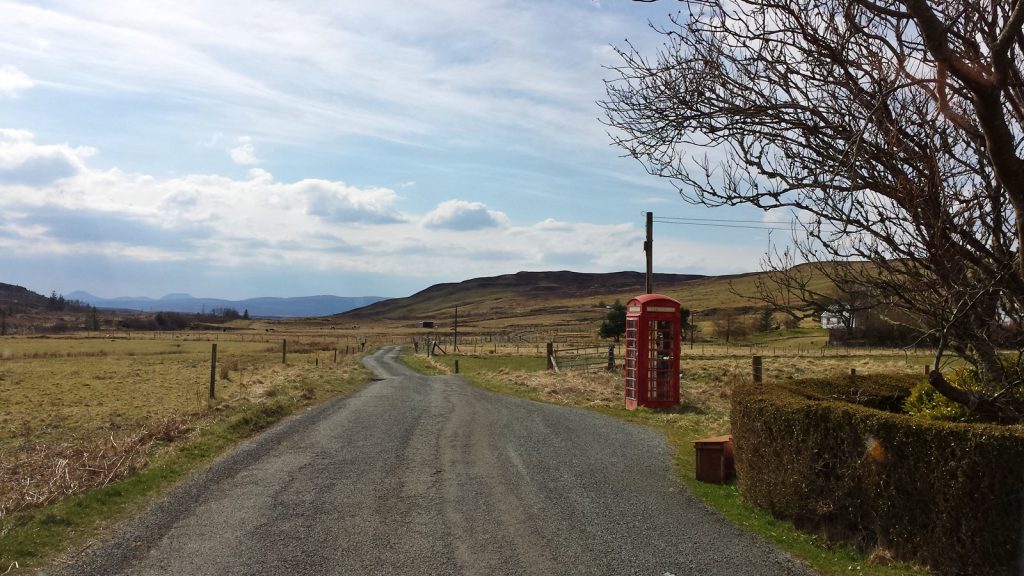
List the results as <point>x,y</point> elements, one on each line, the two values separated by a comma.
<point>940,494</point>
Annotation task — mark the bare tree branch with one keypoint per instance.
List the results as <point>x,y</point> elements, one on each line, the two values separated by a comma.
<point>893,131</point>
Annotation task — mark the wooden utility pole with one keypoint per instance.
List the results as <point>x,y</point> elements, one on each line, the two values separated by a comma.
<point>455,343</point>
<point>649,250</point>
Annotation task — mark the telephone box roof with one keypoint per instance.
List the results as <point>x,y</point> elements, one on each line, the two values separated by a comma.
<point>644,298</point>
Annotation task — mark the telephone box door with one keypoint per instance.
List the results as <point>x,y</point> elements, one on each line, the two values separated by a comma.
<point>652,351</point>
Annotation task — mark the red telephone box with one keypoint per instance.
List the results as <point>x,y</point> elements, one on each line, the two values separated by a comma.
<point>652,351</point>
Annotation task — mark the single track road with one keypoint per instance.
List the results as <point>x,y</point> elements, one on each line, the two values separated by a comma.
<point>417,475</point>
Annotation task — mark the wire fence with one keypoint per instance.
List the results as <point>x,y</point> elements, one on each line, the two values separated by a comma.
<point>599,356</point>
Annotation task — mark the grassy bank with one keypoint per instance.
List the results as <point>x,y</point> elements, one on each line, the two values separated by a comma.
<point>704,412</point>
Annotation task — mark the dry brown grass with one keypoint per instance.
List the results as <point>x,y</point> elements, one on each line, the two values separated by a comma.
<point>706,381</point>
<point>588,389</point>
<point>79,413</point>
<point>36,473</point>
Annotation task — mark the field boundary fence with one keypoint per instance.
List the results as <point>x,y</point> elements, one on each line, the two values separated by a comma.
<point>581,357</point>
<point>712,349</point>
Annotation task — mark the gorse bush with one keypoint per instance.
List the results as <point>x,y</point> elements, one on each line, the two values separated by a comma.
<point>926,402</point>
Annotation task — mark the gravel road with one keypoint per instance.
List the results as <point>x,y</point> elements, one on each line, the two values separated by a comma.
<point>429,475</point>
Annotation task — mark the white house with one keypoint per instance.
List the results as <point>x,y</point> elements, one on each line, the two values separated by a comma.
<point>836,318</point>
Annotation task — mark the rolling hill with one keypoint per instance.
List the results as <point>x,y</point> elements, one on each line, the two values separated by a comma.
<point>13,297</point>
<point>524,301</point>
<point>538,287</point>
<point>539,300</point>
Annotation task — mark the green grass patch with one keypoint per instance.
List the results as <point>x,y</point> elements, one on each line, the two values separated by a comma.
<point>788,338</point>
<point>421,364</point>
<point>486,363</point>
<point>34,537</point>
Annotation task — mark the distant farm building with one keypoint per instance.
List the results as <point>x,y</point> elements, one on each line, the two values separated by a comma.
<point>426,324</point>
<point>836,319</point>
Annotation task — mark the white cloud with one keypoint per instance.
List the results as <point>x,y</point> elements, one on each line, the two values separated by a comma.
<point>13,80</point>
<point>259,222</point>
<point>244,153</point>
<point>22,162</point>
<point>12,136</point>
<point>336,202</point>
<point>463,215</point>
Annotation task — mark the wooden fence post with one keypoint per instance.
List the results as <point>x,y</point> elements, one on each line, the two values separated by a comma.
<point>611,357</point>
<point>284,351</point>
<point>213,371</point>
<point>551,356</point>
<point>755,364</point>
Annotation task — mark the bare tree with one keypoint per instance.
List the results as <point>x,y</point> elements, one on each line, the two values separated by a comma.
<point>890,130</point>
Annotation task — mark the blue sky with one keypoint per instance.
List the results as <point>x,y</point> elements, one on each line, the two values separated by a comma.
<point>241,149</point>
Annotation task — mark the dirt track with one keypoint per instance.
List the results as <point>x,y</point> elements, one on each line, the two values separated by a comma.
<point>428,475</point>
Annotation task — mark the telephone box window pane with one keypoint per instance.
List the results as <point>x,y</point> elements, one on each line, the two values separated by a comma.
<point>659,359</point>
<point>631,358</point>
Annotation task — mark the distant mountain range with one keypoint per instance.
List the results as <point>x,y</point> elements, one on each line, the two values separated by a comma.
<point>303,306</point>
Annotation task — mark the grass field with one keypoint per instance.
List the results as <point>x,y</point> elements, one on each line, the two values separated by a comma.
<point>92,427</point>
<point>59,388</point>
<point>706,384</point>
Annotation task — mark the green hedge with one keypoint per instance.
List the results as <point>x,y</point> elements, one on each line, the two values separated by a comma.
<point>945,495</point>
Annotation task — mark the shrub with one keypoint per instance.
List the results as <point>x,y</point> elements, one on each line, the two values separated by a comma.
<point>926,402</point>
<point>947,495</point>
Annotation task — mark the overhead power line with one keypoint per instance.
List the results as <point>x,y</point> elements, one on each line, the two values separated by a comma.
<point>718,223</point>
<point>676,218</point>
